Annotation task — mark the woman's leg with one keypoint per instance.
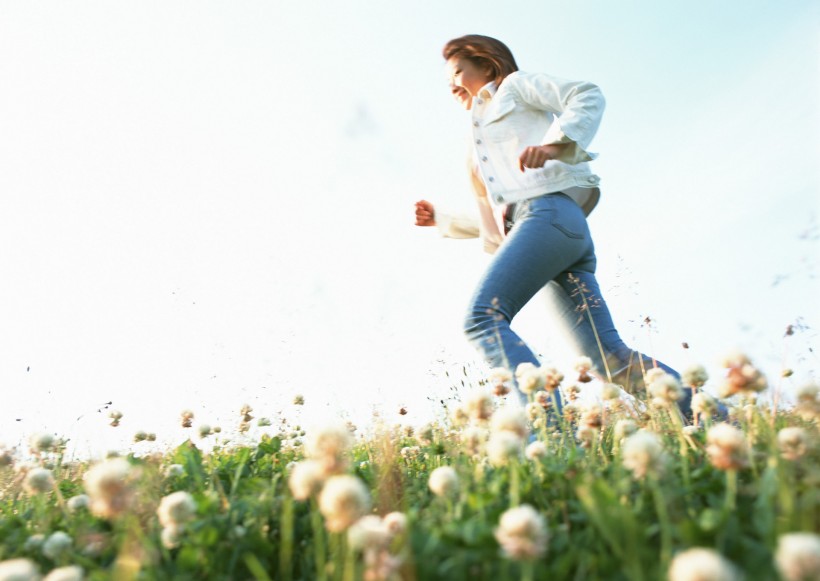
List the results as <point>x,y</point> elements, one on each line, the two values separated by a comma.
<point>577,302</point>
<point>550,237</point>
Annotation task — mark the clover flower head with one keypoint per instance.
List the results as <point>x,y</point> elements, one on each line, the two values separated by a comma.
<point>694,376</point>
<point>108,485</point>
<point>298,399</point>
<point>665,388</point>
<point>56,544</point>
<point>67,573</point>
<point>369,532</point>
<point>443,481</point>
<point>38,481</point>
<point>624,428</point>
<point>530,377</point>
<point>798,556</point>
<point>726,447</point>
<point>704,404</point>
<point>793,443</point>
<point>41,442</point>
<point>330,444</point>
<point>699,564</point>
<point>343,500</point>
<point>78,503</point>
<point>534,411</point>
<point>741,376</point>
<point>643,454</point>
<point>510,419</point>
<point>536,450</point>
<point>610,391</point>
<point>186,418</point>
<point>503,447</point>
<point>306,479</point>
<point>473,439</point>
<point>582,364</point>
<point>18,570</point>
<point>592,416</point>
<point>396,522</point>
<point>807,392</point>
<point>459,416</point>
<point>522,533</point>
<point>176,509</point>
<point>479,405</point>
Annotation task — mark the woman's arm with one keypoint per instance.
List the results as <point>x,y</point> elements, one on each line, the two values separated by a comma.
<point>577,105</point>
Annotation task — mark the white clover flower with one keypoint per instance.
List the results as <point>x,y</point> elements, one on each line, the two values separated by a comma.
<point>443,481</point>
<point>624,428</point>
<point>78,503</point>
<point>473,439</point>
<point>535,411</point>
<point>38,481</point>
<point>552,377</point>
<point>306,479</point>
<point>56,545</point>
<point>798,556</point>
<point>68,573</point>
<point>369,532</point>
<point>108,484</point>
<point>459,416</point>
<point>704,404</point>
<point>186,418</point>
<point>41,442</point>
<point>329,445</point>
<point>343,500</point>
<point>504,446</point>
<point>176,509</point>
<point>522,533</point>
<point>695,376</point>
<point>586,435</point>
<point>530,377</point>
<point>410,452</point>
<point>726,447</point>
<point>610,391</point>
<point>664,388</point>
<point>19,570</point>
<point>479,405</point>
<point>807,392</point>
<point>171,536</point>
<point>741,376</point>
<point>536,450</point>
<point>34,542</point>
<point>396,522</point>
<point>510,419</point>
<point>592,416</point>
<point>793,443</point>
<point>204,430</point>
<point>174,470</point>
<point>583,364</point>
<point>500,376</point>
<point>643,454</point>
<point>701,564</point>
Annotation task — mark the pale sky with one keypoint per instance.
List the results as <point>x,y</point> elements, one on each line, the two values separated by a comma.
<point>204,204</point>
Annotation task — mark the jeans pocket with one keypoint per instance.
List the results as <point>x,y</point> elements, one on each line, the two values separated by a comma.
<point>569,229</point>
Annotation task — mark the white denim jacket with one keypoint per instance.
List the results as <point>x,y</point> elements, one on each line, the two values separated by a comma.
<point>528,109</point>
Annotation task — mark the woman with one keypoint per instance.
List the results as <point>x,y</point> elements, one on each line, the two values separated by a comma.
<point>534,189</point>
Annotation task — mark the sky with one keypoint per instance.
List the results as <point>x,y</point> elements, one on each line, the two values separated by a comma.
<point>207,204</point>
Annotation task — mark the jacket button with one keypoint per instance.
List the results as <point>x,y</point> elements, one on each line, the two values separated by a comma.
<point>498,198</point>
<point>476,123</point>
<point>491,179</point>
<point>478,141</point>
<point>483,158</point>
<point>591,179</point>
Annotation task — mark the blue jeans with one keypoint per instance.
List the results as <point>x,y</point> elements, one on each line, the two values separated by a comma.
<point>550,248</point>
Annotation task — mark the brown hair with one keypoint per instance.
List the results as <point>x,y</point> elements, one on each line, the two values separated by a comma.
<point>484,52</point>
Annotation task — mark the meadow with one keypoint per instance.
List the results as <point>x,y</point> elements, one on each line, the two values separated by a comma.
<point>622,487</point>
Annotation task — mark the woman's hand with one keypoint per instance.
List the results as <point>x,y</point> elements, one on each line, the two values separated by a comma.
<point>425,215</point>
<point>537,155</point>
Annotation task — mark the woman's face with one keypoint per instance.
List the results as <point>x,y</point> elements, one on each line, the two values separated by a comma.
<point>466,79</point>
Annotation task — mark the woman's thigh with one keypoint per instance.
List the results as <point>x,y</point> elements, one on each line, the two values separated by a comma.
<point>550,236</point>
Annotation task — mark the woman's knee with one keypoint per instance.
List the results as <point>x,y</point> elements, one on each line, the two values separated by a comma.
<point>482,319</point>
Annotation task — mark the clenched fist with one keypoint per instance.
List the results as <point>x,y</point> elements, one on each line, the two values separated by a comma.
<point>425,215</point>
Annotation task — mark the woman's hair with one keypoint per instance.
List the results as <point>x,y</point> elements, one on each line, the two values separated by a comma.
<point>482,51</point>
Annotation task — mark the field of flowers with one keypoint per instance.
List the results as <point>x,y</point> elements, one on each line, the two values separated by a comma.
<point>622,488</point>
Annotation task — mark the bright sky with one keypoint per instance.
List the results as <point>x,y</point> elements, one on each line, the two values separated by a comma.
<point>204,204</point>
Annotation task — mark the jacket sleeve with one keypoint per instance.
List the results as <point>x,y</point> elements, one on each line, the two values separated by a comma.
<point>577,105</point>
